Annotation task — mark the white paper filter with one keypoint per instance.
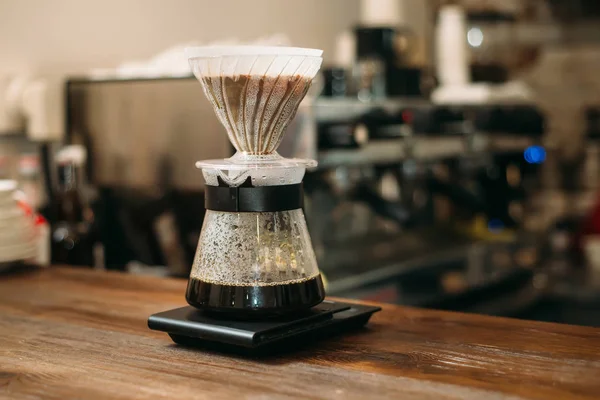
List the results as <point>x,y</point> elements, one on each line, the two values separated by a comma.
<point>257,112</point>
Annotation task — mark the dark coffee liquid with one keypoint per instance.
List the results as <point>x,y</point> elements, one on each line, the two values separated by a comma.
<point>255,300</point>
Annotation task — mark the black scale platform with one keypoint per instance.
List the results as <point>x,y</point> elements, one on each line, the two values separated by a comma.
<point>191,327</point>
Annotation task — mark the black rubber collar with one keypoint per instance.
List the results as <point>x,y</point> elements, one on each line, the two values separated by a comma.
<point>246,198</point>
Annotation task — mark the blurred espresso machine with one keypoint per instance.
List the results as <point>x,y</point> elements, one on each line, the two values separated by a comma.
<point>402,185</point>
<point>412,202</point>
<point>415,200</point>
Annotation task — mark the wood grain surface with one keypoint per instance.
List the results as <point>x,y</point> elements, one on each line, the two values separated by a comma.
<point>68,333</point>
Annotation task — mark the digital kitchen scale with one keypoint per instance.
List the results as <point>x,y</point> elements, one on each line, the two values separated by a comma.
<point>191,327</point>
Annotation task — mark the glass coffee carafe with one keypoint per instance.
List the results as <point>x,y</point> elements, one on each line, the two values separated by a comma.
<point>254,255</point>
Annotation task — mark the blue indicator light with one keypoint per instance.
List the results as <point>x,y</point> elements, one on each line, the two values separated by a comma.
<point>535,154</point>
<point>495,225</point>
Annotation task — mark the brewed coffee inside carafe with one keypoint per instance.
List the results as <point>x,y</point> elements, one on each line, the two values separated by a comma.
<point>273,271</point>
<point>254,255</point>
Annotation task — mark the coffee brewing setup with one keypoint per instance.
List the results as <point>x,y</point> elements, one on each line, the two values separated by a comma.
<point>255,279</point>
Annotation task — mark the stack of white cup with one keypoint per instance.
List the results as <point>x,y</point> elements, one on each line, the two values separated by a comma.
<point>17,230</point>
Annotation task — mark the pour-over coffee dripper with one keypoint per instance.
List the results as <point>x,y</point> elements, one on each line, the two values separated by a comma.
<point>254,255</point>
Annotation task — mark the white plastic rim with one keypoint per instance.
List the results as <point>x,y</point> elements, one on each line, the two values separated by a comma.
<point>243,162</point>
<point>11,214</point>
<point>227,165</point>
<point>223,51</point>
<point>7,185</point>
<point>17,252</point>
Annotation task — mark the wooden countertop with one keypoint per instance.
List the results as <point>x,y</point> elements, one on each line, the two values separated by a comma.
<point>68,333</point>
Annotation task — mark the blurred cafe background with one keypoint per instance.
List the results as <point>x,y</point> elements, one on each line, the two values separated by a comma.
<point>458,143</point>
